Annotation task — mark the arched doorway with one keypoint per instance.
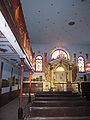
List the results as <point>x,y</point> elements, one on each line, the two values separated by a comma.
<point>60,74</point>
<point>60,78</point>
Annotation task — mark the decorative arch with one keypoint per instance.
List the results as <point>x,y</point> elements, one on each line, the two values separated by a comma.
<point>60,53</point>
<point>81,64</point>
<point>39,63</point>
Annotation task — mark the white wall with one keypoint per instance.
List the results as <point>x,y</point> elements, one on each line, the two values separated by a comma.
<point>7,67</point>
<point>6,71</point>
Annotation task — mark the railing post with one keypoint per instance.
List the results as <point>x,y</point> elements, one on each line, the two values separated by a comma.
<point>20,110</point>
<point>1,72</point>
<point>30,87</point>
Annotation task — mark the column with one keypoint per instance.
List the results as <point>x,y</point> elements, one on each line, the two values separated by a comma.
<point>66,80</point>
<point>20,110</point>
<point>71,75</point>
<point>18,79</point>
<point>30,86</point>
<point>87,55</point>
<point>75,58</point>
<point>1,71</point>
<point>11,79</point>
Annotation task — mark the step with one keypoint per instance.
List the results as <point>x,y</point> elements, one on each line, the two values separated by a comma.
<point>58,98</point>
<point>57,95</point>
<point>59,111</point>
<point>60,103</point>
<point>58,118</point>
<point>60,92</point>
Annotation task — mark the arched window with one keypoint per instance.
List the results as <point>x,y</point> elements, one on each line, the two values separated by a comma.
<point>87,67</point>
<point>60,68</point>
<point>39,63</point>
<point>81,64</point>
<point>55,54</point>
<point>60,53</point>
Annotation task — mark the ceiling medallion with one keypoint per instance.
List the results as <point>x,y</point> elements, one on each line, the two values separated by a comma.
<point>71,23</point>
<point>51,4</point>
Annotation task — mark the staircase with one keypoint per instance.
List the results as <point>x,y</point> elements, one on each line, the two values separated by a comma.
<point>59,106</point>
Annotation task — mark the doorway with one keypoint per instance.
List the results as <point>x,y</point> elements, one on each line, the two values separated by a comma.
<point>60,79</point>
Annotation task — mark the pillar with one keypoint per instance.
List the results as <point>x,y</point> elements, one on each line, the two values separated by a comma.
<point>45,57</point>
<point>87,57</point>
<point>45,61</point>
<point>30,86</point>
<point>20,110</point>
<point>18,79</point>
<point>75,58</point>
<point>45,65</point>
<point>1,71</point>
<point>70,73</point>
<point>11,79</point>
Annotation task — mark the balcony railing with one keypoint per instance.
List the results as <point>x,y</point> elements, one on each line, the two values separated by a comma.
<point>13,13</point>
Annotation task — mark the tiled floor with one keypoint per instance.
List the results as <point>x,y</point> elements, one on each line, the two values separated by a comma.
<point>10,111</point>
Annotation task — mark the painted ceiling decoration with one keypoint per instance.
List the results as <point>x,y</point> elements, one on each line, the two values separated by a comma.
<point>6,47</point>
<point>3,50</point>
<point>7,52</point>
<point>1,35</point>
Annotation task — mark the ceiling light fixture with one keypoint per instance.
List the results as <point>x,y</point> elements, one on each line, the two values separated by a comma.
<point>51,4</point>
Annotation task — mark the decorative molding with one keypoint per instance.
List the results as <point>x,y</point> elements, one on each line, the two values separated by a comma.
<point>2,35</point>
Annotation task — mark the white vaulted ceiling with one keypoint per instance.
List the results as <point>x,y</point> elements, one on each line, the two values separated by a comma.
<point>48,23</point>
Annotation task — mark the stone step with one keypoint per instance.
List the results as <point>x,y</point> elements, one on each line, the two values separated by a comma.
<point>59,118</point>
<point>55,92</point>
<point>58,98</point>
<point>59,111</point>
<point>59,106</point>
<point>60,103</point>
<point>57,95</point>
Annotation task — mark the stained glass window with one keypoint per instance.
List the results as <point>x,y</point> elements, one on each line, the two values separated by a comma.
<point>59,53</point>
<point>55,54</point>
<point>81,64</point>
<point>87,67</point>
<point>39,63</point>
